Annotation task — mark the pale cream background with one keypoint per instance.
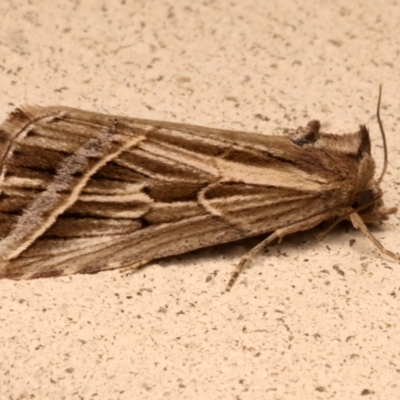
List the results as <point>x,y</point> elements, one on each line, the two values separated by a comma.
<point>314,318</point>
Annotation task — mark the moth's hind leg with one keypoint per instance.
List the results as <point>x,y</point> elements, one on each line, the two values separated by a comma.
<point>132,267</point>
<point>278,234</point>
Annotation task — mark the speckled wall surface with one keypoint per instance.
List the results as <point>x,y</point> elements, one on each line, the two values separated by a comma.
<point>313,318</point>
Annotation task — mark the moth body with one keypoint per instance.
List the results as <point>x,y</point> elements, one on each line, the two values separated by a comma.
<point>82,192</point>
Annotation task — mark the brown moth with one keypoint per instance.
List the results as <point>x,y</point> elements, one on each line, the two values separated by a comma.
<point>83,192</point>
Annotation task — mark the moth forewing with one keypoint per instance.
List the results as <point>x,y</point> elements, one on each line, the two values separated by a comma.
<point>83,192</point>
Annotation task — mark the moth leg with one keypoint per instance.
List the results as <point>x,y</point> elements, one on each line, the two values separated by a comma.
<point>278,234</point>
<point>248,257</point>
<point>130,268</point>
<point>358,223</point>
<point>329,228</point>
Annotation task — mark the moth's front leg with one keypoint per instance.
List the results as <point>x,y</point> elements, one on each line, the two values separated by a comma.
<point>278,234</point>
<point>358,223</point>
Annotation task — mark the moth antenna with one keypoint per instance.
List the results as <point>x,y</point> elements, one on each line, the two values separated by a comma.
<point>385,152</point>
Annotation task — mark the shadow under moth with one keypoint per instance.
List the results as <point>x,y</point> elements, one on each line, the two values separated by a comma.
<point>83,192</point>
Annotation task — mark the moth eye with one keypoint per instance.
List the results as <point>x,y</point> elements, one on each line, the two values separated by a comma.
<point>307,135</point>
<point>364,198</point>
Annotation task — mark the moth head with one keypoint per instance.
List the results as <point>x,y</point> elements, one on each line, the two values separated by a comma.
<point>354,150</point>
<point>370,206</point>
<point>369,203</point>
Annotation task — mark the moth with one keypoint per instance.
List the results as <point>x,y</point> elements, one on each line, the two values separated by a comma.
<point>82,192</point>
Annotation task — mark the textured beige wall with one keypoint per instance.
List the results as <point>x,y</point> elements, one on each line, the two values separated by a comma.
<point>293,327</point>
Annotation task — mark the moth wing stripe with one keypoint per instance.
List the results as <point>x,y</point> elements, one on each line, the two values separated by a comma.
<point>33,221</point>
<point>291,178</point>
<point>87,227</point>
<point>173,153</point>
<point>21,182</point>
<point>116,198</point>
<point>104,187</point>
<point>76,255</point>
